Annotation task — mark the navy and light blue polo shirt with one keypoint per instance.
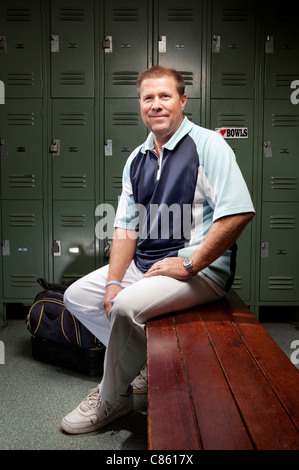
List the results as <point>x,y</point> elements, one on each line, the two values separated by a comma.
<point>173,200</point>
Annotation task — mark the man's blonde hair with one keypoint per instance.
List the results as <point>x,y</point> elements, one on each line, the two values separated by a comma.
<point>157,71</point>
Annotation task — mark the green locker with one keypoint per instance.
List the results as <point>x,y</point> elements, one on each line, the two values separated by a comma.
<point>233,49</point>
<point>22,248</point>
<point>192,110</point>
<point>72,149</point>
<point>73,247</point>
<point>21,149</point>
<point>281,142</point>
<point>124,131</point>
<point>20,48</point>
<point>72,48</point>
<point>279,276</point>
<point>281,48</point>
<point>180,41</point>
<point>234,119</point>
<point>126,46</point>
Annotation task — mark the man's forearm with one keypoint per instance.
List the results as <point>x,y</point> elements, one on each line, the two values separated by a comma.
<point>122,252</point>
<point>221,236</point>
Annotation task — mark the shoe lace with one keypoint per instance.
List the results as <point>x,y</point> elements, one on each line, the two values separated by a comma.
<point>93,398</point>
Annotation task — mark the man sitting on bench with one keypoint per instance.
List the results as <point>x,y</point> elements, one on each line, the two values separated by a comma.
<point>185,198</point>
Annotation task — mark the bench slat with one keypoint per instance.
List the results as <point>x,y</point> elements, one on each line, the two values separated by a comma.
<point>216,411</point>
<point>171,421</point>
<point>277,367</point>
<point>265,417</point>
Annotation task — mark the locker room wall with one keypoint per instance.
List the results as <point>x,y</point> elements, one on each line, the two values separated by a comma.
<point>71,118</point>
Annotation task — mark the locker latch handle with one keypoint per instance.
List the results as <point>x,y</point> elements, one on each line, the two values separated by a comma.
<point>55,147</point>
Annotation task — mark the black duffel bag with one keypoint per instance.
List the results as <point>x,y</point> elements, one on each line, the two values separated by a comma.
<point>58,337</point>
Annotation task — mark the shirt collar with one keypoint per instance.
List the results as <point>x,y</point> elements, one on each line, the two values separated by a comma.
<point>183,130</point>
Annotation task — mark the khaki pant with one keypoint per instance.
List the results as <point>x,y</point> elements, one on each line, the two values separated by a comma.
<point>123,333</point>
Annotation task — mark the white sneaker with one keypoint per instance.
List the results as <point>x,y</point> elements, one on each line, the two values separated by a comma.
<point>140,382</point>
<point>94,413</point>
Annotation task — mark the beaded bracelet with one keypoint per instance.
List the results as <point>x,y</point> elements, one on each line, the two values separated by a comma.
<point>113,282</point>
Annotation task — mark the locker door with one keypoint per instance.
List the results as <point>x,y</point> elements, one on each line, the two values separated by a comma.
<point>281,143</point>
<point>124,131</point>
<point>180,41</point>
<point>233,49</point>
<point>279,278</point>
<point>20,48</point>
<point>72,48</point>
<point>73,239</point>
<point>21,149</point>
<point>192,110</point>
<point>73,149</point>
<point>22,248</point>
<point>282,48</point>
<point>126,46</point>
<point>235,119</point>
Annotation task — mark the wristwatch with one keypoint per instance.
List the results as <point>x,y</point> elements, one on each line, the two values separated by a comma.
<point>188,265</point>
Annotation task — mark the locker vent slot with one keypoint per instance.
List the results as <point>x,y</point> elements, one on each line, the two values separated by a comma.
<point>283,79</point>
<point>21,119</point>
<point>22,281</point>
<point>73,119</point>
<point>18,15</point>
<point>283,182</point>
<point>117,182</point>
<point>125,78</point>
<point>18,79</point>
<point>73,181</point>
<point>237,284</point>
<point>72,14</point>
<point>125,14</point>
<point>234,14</point>
<point>73,220</point>
<point>282,222</point>
<point>22,220</point>
<point>285,120</point>
<point>125,119</point>
<point>72,78</point>
<point>21,181</point>
<point>281,283</point>
<point>187,76</point>
<point>233,79</point>
<point>180,14</point>
<point>231,119</point>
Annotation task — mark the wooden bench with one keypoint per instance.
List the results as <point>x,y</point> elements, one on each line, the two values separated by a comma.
<point>217,380</point>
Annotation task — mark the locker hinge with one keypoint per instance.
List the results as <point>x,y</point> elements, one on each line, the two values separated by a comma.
<point>55,147</point>
<point>3,45</point>
<point>107,44</point>
<point>3,148</point>
<point>216,44</point>
<point>56,248</point>
<point>269,45</point>
<point>267,149</point>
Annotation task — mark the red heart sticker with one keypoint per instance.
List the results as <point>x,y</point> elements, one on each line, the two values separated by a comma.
<point>223,132</point>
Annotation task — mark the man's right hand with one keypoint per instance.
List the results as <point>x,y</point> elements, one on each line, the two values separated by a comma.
<point>110,294</point>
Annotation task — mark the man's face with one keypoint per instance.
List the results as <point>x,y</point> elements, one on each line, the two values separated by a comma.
<point>161,106</point>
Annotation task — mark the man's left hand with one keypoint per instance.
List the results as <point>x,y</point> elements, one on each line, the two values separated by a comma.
<point>172,267</point>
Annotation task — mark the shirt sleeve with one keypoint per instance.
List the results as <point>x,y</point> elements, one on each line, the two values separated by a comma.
<point>227,191</point>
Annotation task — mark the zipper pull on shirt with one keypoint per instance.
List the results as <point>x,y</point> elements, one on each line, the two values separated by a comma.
<point>159,164</point>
